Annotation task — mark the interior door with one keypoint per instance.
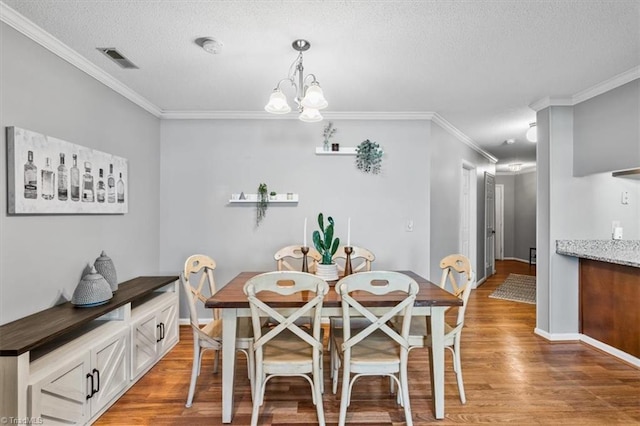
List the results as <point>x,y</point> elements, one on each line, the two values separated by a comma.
<point>490,223</point>
<point>499,222</point>
<point>465,209</point>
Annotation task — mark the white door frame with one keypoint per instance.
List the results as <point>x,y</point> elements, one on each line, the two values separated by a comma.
<point>473,211</point>
<point>500,221</point>
<point>489,266</point>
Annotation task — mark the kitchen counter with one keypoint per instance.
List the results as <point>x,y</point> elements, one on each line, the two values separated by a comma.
<point>621,252</point>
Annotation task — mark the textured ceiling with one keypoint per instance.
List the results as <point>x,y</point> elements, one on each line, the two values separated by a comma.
<point>479,64</point>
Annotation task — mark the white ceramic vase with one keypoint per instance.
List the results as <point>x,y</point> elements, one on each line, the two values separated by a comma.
<point>327,272</point>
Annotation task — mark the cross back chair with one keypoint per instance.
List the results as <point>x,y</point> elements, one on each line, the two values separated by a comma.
<point>377,349</point>
<point>209,336</point>
<point>361,259</point>
<point>287,259</point>
<point>419,335</point>
<point>285,348</point>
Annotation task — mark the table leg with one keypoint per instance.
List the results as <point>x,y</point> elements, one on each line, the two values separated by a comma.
<point>229,324</point>
<point>436,355</point>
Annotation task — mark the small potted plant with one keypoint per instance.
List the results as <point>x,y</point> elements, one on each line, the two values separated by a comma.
<point>327,247</point>
<point>273,195</point>
<point>329,131</point>
<point>262,203</point>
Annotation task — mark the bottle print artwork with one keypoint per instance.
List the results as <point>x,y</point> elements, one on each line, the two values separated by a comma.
<point>111,186</point>
<point>30,178</point>
<point>120,189</point>
<point>48,179</point>
<point>75,179</point>
<point>100,191</point>
<point>63,180</point>
<point>87,184</point>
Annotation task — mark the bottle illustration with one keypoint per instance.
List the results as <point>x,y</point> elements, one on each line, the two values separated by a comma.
<point>100,190</point>
<point>120,189</point>
<point>30,177</point>
<point>111,186</point>
<point>48,178</point>
<point>63,180</point>
<point>87,184</point>
<point>75,180</point>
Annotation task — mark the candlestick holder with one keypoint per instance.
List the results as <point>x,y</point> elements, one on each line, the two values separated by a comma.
<point>347,264</point>
<point>305,265</point>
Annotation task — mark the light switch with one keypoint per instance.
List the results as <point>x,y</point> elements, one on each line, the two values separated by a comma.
<point>625,197</point>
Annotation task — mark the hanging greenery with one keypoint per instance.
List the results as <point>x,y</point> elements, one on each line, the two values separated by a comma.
<point>262,203</point>
<point>369,157</point>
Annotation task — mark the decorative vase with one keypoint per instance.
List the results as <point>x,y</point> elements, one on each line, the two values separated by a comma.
<point>326,146</point>
<point>335,147</point>
<point>327,272</point>
<point>92,290</point>
<point>104,266</point>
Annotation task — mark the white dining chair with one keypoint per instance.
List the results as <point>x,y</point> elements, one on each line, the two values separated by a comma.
<point>378,349</point>
<point>361,259</point>
<point>285,348</point>
<point>209,336</point>
<point>289,258</point>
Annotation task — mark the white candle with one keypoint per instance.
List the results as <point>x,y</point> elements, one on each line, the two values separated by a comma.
<point>349,233</point>
<point>305,233</point>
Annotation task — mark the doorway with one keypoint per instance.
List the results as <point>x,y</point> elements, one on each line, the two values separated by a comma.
<point>468,214</point>
<point>490,224</point>
<point>499,222</point>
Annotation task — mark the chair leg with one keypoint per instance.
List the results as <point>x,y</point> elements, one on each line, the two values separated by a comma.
<point>216,360</point>
<point>251,366</point>
<point>195,371</point>
<point>318,388</point>
<point>458,369</point>
<point>257,395</point>
<point>344,398</point>
<point>404,389</point>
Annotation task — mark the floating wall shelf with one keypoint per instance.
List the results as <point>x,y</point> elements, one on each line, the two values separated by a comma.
<point>253,198</point>
<point>343,151</point>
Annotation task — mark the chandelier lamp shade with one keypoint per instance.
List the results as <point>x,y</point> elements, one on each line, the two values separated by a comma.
<point>532,133</point>
<point>309,97</point>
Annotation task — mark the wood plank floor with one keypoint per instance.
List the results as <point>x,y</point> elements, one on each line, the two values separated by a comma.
<point>510,375</point>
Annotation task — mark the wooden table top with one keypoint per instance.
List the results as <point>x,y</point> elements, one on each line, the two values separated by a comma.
<point>232,295</point>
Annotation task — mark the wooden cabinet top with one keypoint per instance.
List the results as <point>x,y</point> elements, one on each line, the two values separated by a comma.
<point>35,330</point>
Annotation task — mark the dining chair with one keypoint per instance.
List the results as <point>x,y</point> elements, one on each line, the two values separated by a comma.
<point>289,258</point>
<point>377,349</point>
<point>209,336</point>
<point>419,337</point>
<point>361,259</point>
<point>287,349</point>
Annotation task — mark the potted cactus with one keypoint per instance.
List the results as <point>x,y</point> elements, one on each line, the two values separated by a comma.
<point>327,247</point>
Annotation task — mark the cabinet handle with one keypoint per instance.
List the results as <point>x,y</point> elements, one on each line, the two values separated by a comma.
<point>90,376</point>
<point>96,372</point>
<point>159,333</point>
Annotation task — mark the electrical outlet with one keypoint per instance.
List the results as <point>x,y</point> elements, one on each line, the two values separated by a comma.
<point>625,197</point>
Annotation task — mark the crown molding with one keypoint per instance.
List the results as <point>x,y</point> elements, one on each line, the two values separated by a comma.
<point>605,86</point>
<point>49,42</point>
<point>591,92</point>
<point>262,115</point>
<point>440,121</point>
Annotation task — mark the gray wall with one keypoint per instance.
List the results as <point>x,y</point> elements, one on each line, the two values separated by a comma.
<point>525,214</point>
<point>204,161</point>
<point>571,208</point>
<point>42,257</point>
<point>607,131</point>
<point>509,216</point>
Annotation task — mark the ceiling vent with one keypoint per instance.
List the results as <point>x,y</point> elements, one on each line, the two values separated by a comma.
<point>117,57</point>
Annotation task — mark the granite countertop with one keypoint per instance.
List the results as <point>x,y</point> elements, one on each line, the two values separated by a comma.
<point>622,252</point>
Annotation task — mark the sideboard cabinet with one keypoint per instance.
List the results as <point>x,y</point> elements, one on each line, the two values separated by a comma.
<point>67,365</point>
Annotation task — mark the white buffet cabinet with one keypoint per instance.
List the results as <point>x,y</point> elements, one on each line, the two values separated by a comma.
<point>76,374</point>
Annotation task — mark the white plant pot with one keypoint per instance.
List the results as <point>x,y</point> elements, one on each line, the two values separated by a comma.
<point>327,272</point>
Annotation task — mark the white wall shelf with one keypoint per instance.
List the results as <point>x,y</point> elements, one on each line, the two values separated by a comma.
<point>344,150</point>
<point>283,198</point>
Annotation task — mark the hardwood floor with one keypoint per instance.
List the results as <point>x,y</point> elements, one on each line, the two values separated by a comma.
<point>510,376</point>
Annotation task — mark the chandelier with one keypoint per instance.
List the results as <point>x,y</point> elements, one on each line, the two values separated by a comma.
<point>309,97</point>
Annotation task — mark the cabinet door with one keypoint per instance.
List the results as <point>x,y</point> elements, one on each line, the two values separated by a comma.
<point>168,320</point>
<point>145,334</point>
<point>109,364</point>
<point>61,397</point>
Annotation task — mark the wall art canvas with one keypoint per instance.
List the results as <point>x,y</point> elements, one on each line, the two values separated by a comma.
<point>47,175</point>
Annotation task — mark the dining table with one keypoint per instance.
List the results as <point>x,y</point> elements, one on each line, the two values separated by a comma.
<point>431,303</point>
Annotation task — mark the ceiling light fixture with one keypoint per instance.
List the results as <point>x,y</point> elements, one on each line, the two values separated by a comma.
<point>515,167</point>
<point>210,45</point>
<point>532,133</point>
<point>309,97</point>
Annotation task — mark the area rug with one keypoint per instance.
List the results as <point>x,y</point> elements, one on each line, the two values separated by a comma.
<point>517,288</point>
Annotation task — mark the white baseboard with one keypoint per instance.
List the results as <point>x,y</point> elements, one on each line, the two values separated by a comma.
<point>517,260</point>
<point>560,337</point>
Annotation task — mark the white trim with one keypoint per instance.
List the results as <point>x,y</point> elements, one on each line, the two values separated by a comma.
<point>561,337</point>
<point>440,121</point>
<point>49,42</point>
<point>517,259</point>
<point>591,92</point>
<point>263,115</point>
<point>478,283</point>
